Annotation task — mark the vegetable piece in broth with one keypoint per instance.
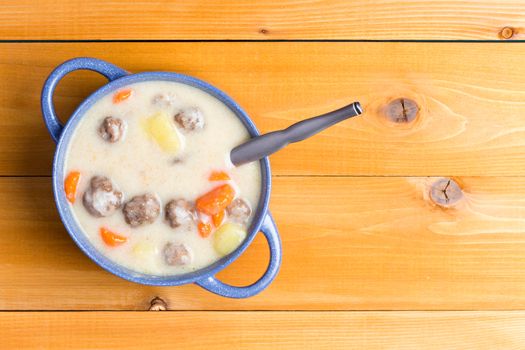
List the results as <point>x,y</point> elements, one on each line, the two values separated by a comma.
<point>216,200</point>
<point>70,185</point>
<point>160,129</point>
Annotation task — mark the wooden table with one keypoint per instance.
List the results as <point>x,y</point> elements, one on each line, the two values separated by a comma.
<point>404,228</point>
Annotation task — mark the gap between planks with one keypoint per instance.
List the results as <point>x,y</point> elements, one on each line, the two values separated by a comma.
<point>261,41</point>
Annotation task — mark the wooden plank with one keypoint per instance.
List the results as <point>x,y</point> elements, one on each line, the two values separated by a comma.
<point>349,244</point>
<point>470,97</point>
<point>261,330</point>
<point>286,19</point>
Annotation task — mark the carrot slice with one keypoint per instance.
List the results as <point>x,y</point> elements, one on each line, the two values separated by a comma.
<point>204,229</point>
<point>217,218</point>
<point>122,95</point>
<point>112,239</point>
<point>219,176</point>
<point>216,200</point>
<point>70,185</point>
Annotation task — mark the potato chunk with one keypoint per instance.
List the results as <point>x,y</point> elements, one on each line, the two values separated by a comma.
<point>228,237</point>
<point>160,128</point>
<point>143,250</point>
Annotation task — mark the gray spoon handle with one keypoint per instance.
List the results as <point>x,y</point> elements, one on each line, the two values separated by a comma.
<point>264,145</point>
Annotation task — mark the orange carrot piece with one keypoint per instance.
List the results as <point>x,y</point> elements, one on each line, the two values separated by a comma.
<point>219,176</point>
<point>70,185</point>
<point>217,218</point>
<point>216,200</point>
<point>204,229</point>
<point>111,238</point>
<point>122,95</point>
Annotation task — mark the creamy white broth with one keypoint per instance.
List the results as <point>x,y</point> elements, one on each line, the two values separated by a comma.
<point>137,165</point>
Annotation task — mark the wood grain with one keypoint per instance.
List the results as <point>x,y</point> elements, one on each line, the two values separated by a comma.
<point>262,330</point>
<point>348,243</point>
<point>372,239</point>
<point>286,19</point>
<point>470,99</point>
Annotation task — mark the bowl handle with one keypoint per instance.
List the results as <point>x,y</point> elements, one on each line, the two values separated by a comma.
<point>110,71</point>
<point>269,230</point>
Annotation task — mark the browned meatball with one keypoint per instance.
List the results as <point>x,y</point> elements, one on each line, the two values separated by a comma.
<point>177,254</point>
<point>239,210</point>
<point>180,212</point>
<point>111,129</point>
<point>190,119</point>
<point>141,210</point>
<point>101,198</point>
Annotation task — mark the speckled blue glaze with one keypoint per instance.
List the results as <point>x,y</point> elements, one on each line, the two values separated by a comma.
<point>62,135</point>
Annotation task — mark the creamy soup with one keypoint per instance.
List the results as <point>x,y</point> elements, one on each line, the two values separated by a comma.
<point>150,182</point>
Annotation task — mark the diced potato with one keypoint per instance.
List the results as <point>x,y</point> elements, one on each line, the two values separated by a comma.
<point>160,128</point>
<point>228,237</point>
<point>144,250</point>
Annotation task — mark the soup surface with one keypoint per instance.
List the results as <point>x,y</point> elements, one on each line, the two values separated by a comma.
<point>149,179</point>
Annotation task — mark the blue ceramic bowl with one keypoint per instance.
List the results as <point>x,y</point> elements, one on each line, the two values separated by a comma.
<point>62,134</point>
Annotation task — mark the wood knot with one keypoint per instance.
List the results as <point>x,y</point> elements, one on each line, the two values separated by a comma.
<point>263,31</point>
<point>401,110</point>
<point>507,33</point>
<point>157,304</point>
<point>445,192</point>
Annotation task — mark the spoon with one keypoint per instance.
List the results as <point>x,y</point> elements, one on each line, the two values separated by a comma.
<point>264,145</point>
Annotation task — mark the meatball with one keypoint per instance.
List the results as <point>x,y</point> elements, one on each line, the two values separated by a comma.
<point>101,198</point>
<point>180,212</point>
<point>239,210</point>
<point>190,119</point>
<point>164,100</point>
<point>177,254</point>
<point>111,129</point>
<point>141,210</point>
